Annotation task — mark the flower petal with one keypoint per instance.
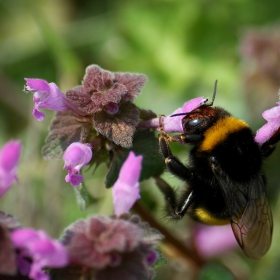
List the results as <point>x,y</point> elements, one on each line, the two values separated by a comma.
<point>126,189</point>
<point>273,123</point>
<point>75,180</point>
<point>46,96</point>
<point>131,169</point>
<point>9,158</point>
<point>43,251</point>
<point>36,85</point>
<point>75,157</point>
<point>151,259</point>
<point>214,240</point>
<point>264,133</point>
<point>9,155</point>
<point>273,117</point>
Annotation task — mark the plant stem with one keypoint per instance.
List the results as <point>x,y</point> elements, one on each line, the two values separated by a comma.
<point>182,249</point>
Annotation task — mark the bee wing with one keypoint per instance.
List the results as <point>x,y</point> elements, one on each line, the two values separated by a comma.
<point>251,218</point>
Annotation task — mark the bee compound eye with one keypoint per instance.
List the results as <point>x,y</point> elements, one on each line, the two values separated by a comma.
<point>194,122</point>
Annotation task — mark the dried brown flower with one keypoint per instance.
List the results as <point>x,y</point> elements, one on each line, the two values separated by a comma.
<point>107,96</point>
<point>261,58</point>
<point>7,253</point>
<point>112,247</point>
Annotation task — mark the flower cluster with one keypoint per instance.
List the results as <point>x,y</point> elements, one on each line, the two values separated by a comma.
<point>108,97</point>
<point>104,97</point>
<point>99,112</point>
<point>116,247</point>
<point>121,246</point>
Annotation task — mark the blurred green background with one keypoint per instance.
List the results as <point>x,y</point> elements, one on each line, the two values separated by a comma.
<point>182,46</point>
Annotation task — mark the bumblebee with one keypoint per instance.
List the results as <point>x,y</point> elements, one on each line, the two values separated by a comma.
<point>225,181</point>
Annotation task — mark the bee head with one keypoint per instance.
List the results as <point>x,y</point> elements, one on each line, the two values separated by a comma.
<point>201,118</point>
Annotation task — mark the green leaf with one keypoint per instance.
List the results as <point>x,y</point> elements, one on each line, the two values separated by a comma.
<point>144,143</point>
<point>84,199</point>
<point>215,271</point>
<point>53,149</point>
<point>64,130</point>
<point>161,260</point>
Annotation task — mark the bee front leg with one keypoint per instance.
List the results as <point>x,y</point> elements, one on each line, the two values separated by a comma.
<point>175,210</point>
<point>173,163</point>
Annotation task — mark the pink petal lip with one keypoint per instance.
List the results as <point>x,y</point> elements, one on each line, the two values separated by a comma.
<point>45,95</point>
<point>75,157</point>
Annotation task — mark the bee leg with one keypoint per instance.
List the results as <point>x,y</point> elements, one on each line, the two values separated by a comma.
<point>188,201</point>
<point>173,163</point>
<point>178,169</point>
<point>169,195</point>
<point>173,209</point>
<point>181,138</point>
<point>191,139</point>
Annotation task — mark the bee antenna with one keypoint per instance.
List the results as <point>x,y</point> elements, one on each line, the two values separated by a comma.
<point>204,102</point>
<point>180,114</point>
<point>214,94</point>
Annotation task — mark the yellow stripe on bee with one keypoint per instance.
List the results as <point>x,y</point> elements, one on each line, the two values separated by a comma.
<point>205,217</point>
<point>220,131</point>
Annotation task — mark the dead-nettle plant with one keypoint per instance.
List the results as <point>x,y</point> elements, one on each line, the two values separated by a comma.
<point>95,122</point>
<point>120,246</point>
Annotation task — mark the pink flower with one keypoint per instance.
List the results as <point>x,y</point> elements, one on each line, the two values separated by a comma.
<point>174,124</point>
<point>126,189</point>
<point>75,157</point>
<point>273,123</point>
<point>9,158</point>
<point>45,96</point>
<point>214,240</point>
<point>43,251</point>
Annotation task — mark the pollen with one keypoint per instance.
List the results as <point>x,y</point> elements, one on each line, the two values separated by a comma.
<point>205,217</point>
<point>220,131</point>
<point>167,160</point>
